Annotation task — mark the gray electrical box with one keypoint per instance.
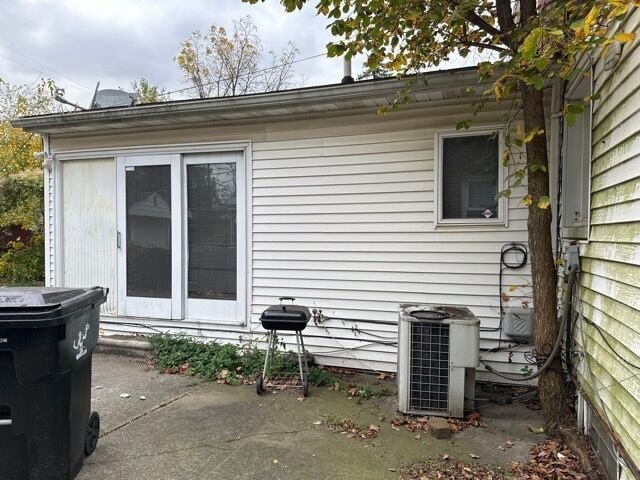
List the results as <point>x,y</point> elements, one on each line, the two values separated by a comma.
<point>518,323</point>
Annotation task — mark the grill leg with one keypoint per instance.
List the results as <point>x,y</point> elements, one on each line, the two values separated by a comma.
<point>298,338</point>
<point>267,357</point>
<point>304,355</point>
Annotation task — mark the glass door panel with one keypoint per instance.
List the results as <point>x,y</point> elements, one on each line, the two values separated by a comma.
<point>149,271</point>
<point>212,237</point>
<point>148,193</point>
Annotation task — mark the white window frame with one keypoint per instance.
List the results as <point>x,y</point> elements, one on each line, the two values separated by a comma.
<point>571,228</point>
<point>503,204</point>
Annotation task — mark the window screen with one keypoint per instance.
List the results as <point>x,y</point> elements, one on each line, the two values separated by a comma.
<point>470,176</point>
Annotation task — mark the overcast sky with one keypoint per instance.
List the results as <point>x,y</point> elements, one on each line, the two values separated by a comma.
<point>80,42</point>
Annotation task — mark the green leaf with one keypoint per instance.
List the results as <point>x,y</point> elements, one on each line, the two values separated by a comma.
<point>530,43</point>
<point>575,109</point>
<point>465,124</point>
<point>537,81</point>
<point>541,63</point>
<point>544,202</point>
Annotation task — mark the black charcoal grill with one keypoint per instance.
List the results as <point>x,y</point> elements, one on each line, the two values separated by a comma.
<point>291,318</point>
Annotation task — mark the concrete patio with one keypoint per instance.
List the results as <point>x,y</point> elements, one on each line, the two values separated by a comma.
<point>189,429</point>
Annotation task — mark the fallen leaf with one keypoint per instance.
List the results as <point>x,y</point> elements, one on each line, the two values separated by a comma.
<point>317,422</point>
<point>382,376</point>
<point>124,395</point>
<point>536,430</point>
<point>473,455</point>
<point>301,399</point>
<point>276,461</point>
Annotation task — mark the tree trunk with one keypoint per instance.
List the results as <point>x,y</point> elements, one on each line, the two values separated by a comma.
<point>551,382</point>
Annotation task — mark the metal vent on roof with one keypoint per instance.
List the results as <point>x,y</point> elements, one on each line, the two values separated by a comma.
<point>429,378</point>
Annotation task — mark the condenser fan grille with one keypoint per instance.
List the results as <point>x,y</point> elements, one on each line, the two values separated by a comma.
<point>429,380</point>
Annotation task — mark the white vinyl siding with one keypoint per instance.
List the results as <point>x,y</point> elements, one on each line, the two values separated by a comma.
<point>346,224</point>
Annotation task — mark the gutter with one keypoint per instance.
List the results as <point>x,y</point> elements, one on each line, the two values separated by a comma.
<point>305,97</point>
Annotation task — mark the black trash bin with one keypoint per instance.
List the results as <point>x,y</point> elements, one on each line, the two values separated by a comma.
<point>47,339</point>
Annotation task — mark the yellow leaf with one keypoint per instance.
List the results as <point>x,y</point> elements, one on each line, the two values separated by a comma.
<point>513,288</point>
<point>498,90</point>
<point>543,202</point>
<point>527,200</point>
<point>623,37</point>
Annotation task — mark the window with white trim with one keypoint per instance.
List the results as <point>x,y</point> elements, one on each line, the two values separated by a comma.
<point>469,177</point>
<point>576,167</point>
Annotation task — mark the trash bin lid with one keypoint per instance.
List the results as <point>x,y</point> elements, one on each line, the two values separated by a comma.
<point>45,306</point>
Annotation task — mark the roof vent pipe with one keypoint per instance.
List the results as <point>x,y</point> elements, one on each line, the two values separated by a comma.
<point>347,71</point>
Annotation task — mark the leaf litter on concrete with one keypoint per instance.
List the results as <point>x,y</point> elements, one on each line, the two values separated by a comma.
<point>550,460</point>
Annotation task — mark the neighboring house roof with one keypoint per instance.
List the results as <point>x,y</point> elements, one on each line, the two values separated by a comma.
<point>436,85</point>
<point>152,206</point>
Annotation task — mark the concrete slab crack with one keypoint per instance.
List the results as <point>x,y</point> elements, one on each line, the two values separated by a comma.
<point>154,409</point>
<point>266,434</point>
<point>213,445</point>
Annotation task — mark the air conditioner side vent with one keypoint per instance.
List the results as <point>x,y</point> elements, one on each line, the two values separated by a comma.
<point>429,383</point>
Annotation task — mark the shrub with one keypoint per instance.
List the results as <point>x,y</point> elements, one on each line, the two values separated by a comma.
<point>21,228</point>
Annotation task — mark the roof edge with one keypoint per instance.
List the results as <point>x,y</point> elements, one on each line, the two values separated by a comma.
<point>307,96</point>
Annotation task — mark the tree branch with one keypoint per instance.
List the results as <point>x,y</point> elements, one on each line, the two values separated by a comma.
<point>480,22</point>
<point>506,21</point>
<point>528,9</point>
<point>490,46</point>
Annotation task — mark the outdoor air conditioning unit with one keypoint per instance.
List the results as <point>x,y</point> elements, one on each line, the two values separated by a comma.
<point>437,357</point>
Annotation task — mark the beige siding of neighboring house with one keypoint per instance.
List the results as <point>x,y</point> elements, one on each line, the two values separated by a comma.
<point>609,284</point>
<point>343,220</point>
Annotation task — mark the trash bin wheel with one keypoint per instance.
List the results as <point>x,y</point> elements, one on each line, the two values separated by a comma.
<point>305,387</point>
<point>259,385</point>
<point>92,433</point>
